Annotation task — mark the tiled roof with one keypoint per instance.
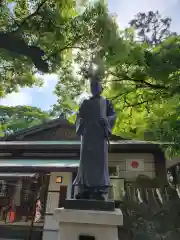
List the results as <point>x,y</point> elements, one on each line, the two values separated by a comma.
<point>40,127</point>
<point>65,123</point>
<point>47,125</point>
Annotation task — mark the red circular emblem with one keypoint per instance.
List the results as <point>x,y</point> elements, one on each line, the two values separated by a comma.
<point>134,164</point>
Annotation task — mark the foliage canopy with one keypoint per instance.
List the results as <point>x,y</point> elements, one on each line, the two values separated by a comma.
<point>42,30</point>
<point>139,66</point>
<point>13,119</point>
<point>140,75</point>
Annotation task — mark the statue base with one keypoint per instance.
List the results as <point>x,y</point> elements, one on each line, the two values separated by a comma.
<point>88,224</point>
<point>97,205</point>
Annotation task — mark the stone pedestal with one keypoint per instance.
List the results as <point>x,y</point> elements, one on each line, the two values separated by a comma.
<point>88,224</point>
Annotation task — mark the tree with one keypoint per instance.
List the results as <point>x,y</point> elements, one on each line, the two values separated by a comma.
<point>141,79</point>
<point>150,74</point>
<point>151,102</point>
<point>158,121</point>
<point>151,27</point>
<point>128,67</point>
<point>13,119</point>
<point>41,34</point>
<point>163,125</point>
<point>147,96</point>
<point>102,48</point>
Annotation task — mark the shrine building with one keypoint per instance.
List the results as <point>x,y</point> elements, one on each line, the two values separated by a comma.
<point>42,162</point>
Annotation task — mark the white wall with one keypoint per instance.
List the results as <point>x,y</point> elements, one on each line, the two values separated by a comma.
<point>53,197</point>
<point>50,225</point>
<point>146,167</point>
<point>124,171</point>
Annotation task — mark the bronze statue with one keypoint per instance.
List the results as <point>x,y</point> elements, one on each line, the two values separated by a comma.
<point>94,124</point>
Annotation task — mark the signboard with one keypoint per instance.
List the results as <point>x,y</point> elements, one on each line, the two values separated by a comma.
<point>135,165</point>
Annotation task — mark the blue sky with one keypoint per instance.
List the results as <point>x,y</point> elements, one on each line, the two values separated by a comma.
<point>125,10</point>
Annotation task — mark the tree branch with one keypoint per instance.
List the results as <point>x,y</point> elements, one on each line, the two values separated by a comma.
<point>142,82</point>
<point>23,22</point>
<point>121,95</point>
<point>142,102</point>
<point>67,46</point>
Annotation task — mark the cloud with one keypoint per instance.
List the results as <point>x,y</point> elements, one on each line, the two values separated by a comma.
<point>14,99</point>
<point>48,80</point>
<point>39,96</point>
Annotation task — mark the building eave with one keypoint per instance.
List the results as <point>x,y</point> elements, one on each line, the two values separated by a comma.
<point>40,127</point>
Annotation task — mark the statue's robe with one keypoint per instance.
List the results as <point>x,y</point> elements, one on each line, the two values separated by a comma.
<point>94,123</point>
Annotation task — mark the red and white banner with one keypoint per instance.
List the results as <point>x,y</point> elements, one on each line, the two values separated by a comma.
<point>134,165</point>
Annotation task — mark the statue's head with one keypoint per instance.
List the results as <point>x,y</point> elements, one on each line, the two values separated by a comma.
<point>96,87</point>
